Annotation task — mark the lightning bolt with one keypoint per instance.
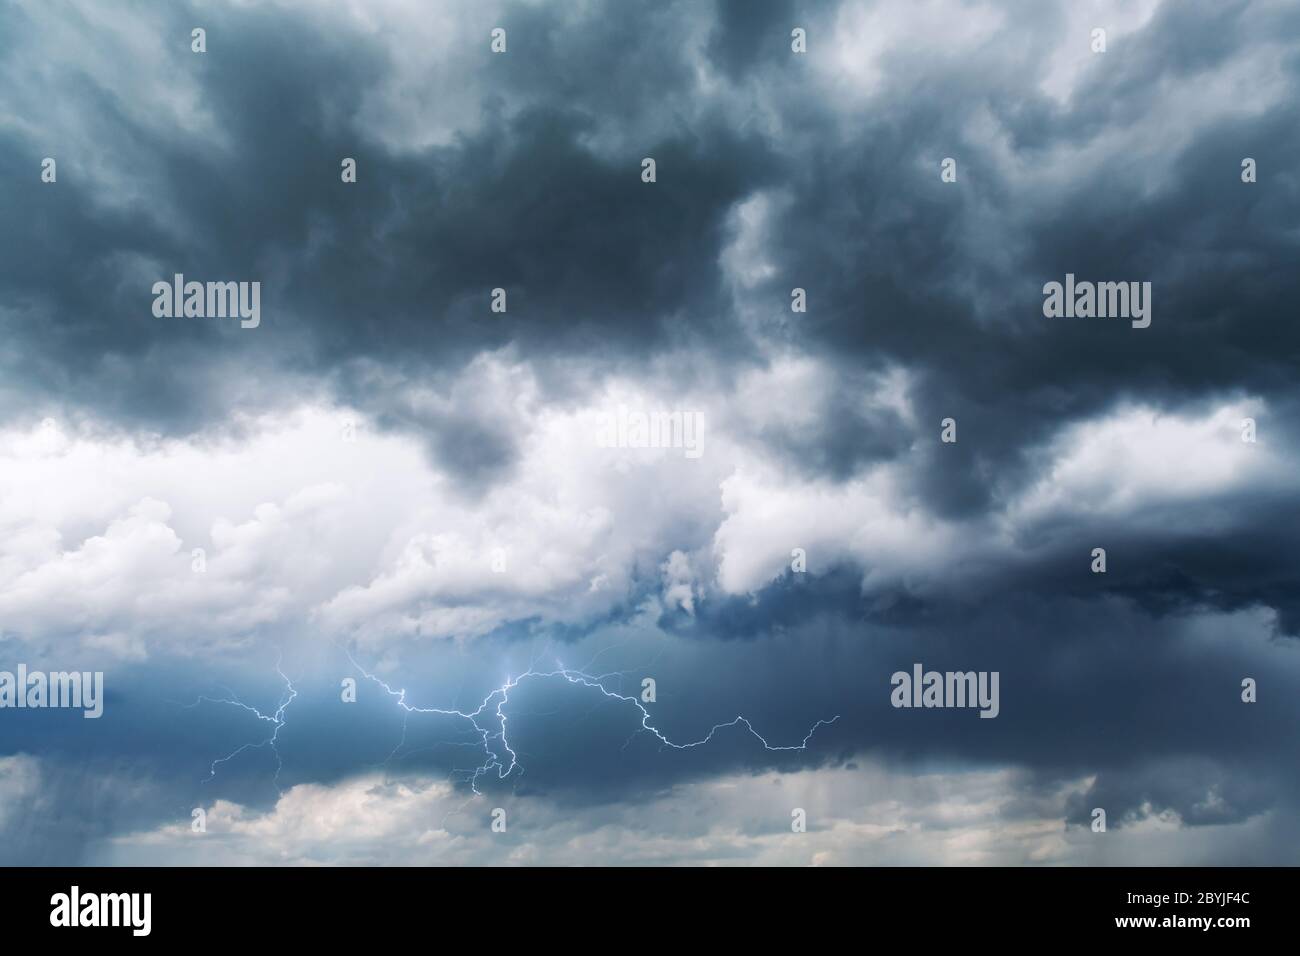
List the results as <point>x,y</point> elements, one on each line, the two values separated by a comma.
<point>495,728</point>
<point>277,720</point>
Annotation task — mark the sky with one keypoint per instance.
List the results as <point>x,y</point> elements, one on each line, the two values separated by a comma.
<point>388,577</point>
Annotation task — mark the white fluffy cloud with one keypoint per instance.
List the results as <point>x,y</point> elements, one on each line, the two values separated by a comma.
<point>100,531</point>
<point>1139,458</point>
<point>372,539</point>
<point>368,537</point>
<point>867,815</point>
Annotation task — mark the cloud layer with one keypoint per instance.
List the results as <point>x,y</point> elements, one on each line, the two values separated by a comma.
<point>388,477</point>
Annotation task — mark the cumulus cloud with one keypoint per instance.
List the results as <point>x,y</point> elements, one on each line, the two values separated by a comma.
<point>864,815</point>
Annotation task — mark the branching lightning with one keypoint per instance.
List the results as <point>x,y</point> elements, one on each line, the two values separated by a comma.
<point>488,720</point>
<point>276,719</point>
<point>494,728</point>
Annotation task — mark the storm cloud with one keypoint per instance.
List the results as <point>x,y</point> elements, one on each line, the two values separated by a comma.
<point>392,483</point>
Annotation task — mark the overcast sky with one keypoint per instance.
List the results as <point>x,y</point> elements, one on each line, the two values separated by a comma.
<point>387,480</point>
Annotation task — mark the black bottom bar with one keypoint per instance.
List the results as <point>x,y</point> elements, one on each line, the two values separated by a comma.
<point>331,906</point>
